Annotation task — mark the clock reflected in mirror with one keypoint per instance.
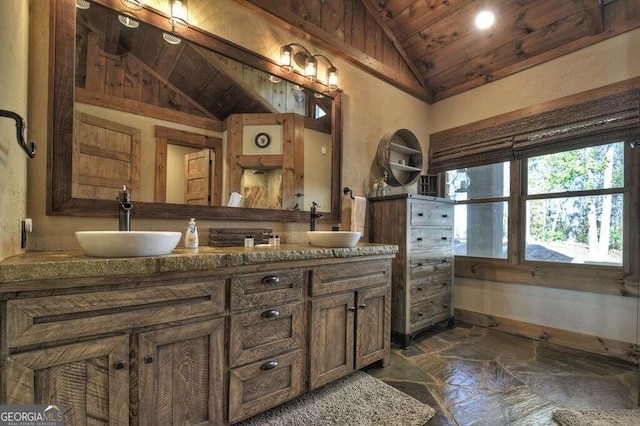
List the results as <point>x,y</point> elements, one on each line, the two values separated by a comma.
<point>262,140</point>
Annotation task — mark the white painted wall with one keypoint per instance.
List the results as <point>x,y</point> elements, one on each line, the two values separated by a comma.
<point>613,60</point>
<point>14,21</point>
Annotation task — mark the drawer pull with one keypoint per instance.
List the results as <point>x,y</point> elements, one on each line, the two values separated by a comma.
<point>419,289</point>
<point>420,314</point>
<point>444,238</point>
<point>418,264</point>
<point>444,305</point>
<point>420,214</point>
<point>270,279</point>
<point>271,313</point>
<point>362,306</point>
<point>148,359</point>
<point>419,238</point>
<point>351,308</point>
<point>445,284</point>
<point>445,215</point>
<point>118,365</point>
<point>269,365</point>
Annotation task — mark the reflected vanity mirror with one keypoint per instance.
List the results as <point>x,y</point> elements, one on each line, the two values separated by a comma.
<point>194,126</point>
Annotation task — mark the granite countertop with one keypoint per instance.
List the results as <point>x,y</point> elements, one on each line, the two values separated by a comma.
<point>32,266</point>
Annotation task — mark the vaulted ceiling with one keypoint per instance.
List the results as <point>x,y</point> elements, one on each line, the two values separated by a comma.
<point>432,49</point>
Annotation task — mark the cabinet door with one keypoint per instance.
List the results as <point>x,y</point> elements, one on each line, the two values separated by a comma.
<point>331,345</point>
<point>90,380</point>
<point>181,372</point>
<point>373,332</point>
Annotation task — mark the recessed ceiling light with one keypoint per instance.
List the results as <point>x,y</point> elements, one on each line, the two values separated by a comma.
<point>128,22</point>
<point>83,4</point>
<point>171,39</point>
<point>485,19</point>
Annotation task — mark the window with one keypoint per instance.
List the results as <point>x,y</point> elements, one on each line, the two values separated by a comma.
<point>481,214</point>
<point>571,207</point>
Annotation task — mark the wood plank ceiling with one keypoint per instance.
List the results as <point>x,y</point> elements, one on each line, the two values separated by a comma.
<point>432,49</point>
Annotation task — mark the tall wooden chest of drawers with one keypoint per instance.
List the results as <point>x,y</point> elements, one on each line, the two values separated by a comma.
<point>422,271</point>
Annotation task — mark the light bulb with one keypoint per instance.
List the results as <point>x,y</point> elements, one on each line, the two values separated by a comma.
<point>285,58</point>
<point>485,19</point>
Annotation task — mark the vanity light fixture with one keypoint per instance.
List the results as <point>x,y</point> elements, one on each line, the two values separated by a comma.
<point>171,39</point>
<point>485,19</point>
<point>294,53</point>
<point>179,13</point>
<point>128,22</point>
<point>83,4</point>
<point>133,4</point>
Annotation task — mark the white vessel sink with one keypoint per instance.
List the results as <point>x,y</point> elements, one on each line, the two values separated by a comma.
<point>127,243</point>
<point>334,238</point>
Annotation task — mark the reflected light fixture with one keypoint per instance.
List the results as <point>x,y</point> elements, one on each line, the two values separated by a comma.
<point>485,19</point>
<point>83,4</point>
<point>294,53</point>
<point>274,79</point>
<point>311,68</point>
<point>171,39</point>
<point>128,22</point>
<point>179,13</point>
<point>133,4</point>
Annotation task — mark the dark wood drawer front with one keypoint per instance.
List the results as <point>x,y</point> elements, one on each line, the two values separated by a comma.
<point>257,387</point>
<point>430,311</point>
<point>430,239</point>
<point>432,214</point>
<point>264,333</point>
<point>350,276</point>
<point>48,319</point>
<point>266,289</point>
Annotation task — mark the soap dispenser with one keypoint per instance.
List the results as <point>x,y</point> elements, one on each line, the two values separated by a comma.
<point>191,236</point>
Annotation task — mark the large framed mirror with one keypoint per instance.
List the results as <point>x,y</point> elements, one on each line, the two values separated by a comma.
<point>128,108</point>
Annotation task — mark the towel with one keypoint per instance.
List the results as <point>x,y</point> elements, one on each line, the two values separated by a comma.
<point>354,214</point>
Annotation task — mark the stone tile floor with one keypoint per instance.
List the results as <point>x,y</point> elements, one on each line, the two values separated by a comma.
<point>476,376</point>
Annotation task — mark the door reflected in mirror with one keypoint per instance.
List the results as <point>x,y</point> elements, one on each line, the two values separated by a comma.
<point>207,125</point>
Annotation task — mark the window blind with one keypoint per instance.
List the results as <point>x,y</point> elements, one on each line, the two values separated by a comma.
<point>607,114</point>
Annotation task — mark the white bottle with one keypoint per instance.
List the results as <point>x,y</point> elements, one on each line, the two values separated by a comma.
<point>271,240</point>
<point>191,236</point>
<point>276,241</point>
<point>248,241</point>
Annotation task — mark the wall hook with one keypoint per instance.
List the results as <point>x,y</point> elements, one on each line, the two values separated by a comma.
<point>30,148</point>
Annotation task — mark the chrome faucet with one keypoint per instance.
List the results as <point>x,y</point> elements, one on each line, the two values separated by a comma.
<point>125,206</point>
<point>314,216</point>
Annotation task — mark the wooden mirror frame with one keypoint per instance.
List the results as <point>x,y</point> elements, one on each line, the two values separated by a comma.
<point>60,126</point>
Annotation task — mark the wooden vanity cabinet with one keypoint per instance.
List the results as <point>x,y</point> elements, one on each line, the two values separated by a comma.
<point>350,318</point>
<point>210,347</point>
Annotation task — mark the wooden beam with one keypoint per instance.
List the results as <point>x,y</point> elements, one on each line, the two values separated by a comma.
<point>135,107</point>
<point>308,31</point>
<point>595,11</point>
<point>403,54</point>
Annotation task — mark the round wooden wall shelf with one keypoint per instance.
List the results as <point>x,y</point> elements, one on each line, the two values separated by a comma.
<point>399,154</point>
